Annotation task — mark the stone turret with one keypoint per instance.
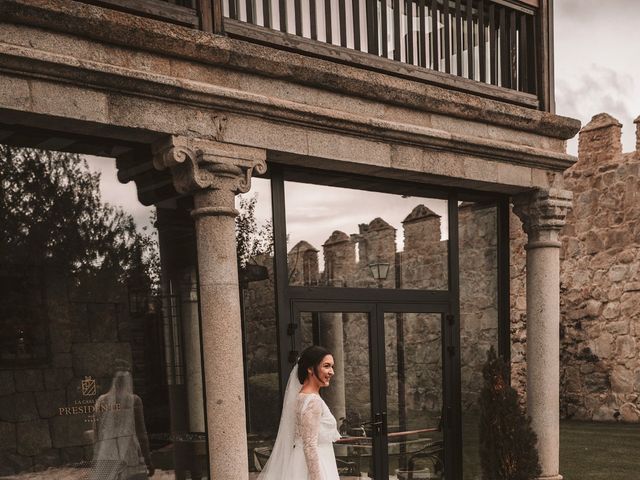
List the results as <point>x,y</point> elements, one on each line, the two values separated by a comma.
<point>424,259</point>
<point>339,259</point>
<point>303,264</point>
<point>380,241</point>
<point>599,141</point>
<point>376,244</point>
<point>421,226</point>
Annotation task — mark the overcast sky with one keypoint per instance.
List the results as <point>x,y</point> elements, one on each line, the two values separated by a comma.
<point>597,66</point>
<point>597,61</point>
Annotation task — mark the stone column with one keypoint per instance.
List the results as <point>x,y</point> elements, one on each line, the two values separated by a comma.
<point>214,173</point>
<point>340,262</point>
<point>543,214</point>
<point>191,349</point>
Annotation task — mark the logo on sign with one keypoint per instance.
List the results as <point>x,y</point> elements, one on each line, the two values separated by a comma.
<point>88,387</point>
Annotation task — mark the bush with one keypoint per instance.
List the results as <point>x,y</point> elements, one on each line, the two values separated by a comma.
<point>507,441</point>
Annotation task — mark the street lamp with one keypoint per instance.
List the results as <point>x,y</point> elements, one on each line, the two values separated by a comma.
<point>379,271</point>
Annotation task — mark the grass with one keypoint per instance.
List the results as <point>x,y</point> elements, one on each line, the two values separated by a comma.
<point>599,451</point>
<point>588,451</point>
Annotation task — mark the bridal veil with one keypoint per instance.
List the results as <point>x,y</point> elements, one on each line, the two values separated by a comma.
<point>282,450</point>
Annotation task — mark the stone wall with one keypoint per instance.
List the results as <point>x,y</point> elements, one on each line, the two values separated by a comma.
<point>600,280</point>
<point>518,304</point>
<point>478,295</point>
<point>422,264</point>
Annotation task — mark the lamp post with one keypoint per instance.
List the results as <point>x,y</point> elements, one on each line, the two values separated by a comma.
<point>379,271</point>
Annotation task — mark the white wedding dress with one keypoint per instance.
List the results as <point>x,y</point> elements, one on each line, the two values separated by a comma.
<point>304,445</point>
<point>316,430</point>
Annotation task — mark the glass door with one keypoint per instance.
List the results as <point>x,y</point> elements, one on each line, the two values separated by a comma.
<point>414,395</point>
<point>388,393</point>
<point>347,330</point>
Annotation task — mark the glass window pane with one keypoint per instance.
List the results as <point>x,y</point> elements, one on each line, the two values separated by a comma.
<point>100,367</point>
<point>413,343</point>
<point>478,315</point>
<point>254,240</point>
<point>342,237</point>
<point>346,336</point>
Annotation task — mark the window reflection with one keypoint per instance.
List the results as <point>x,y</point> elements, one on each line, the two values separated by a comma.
<point>254,236</point>
<point>340,237</point>
<point>478,237</point>
<point>100,374</point>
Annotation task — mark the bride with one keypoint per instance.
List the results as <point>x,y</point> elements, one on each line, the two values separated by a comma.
<point>304,445</point>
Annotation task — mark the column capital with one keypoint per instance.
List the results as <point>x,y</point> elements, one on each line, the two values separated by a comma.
<point>543,213</point>
<point>198,164</point>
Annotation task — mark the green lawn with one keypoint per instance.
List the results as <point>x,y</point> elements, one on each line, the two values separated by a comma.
<point>588,451</point>
<point>599,451</point>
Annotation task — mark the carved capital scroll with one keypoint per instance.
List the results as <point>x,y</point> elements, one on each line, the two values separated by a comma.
<point>206,165</point>
<point>543,214</point>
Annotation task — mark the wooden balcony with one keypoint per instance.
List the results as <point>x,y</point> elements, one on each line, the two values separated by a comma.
<point>500,49</point>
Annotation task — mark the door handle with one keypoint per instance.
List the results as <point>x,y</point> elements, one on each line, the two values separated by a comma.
<point>379,423</point>
<point>451,343</point>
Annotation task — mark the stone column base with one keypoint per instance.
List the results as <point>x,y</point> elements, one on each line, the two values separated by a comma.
<point>551,477</point>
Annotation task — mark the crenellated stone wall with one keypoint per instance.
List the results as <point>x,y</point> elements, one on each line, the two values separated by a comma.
<point>600,282</point>
<point>600,286</point>
<point>422,264</point>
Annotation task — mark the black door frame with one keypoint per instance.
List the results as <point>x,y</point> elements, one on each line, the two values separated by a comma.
<point>376,382</point>
<point>412,300</point>
<point>377,364</point>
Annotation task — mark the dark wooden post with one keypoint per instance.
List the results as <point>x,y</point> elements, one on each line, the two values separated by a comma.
<point>210,13</point>
<point>544,44</point>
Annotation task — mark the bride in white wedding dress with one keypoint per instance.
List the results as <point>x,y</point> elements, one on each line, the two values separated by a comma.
<point>304,445</point>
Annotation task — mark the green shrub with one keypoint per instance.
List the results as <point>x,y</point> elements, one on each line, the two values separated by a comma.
<point>507,441</point>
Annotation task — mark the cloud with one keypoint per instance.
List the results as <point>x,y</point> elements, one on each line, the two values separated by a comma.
<point>115,193</point>
<point>598,11</point>
<point>587,91</point>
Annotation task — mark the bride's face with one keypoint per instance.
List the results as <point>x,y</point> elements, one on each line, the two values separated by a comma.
<point>325,370</point>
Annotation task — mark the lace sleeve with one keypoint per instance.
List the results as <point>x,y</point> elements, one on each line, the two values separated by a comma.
<point>309,426</point>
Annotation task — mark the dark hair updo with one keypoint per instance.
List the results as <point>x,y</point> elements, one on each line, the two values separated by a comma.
<point>310,357</point>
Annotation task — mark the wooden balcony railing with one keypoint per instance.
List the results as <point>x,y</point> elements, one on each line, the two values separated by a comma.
<point>495,48</point>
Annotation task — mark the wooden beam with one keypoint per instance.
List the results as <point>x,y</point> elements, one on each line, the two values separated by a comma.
<point>544,56</point>
<point>305,46</point>
<point>205,12</point>
<point>156,9</point>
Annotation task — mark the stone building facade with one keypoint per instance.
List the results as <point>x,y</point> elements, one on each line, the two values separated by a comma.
<point>192,114</point>
<point>600,281</point>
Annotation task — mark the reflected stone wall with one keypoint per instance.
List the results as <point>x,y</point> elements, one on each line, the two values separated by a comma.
<point>423,264</point>
<point>478,295</point>
<point>259,318</point>
<point>44,409</point>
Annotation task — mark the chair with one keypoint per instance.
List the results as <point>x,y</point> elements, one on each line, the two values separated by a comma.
<point>432,452</point>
